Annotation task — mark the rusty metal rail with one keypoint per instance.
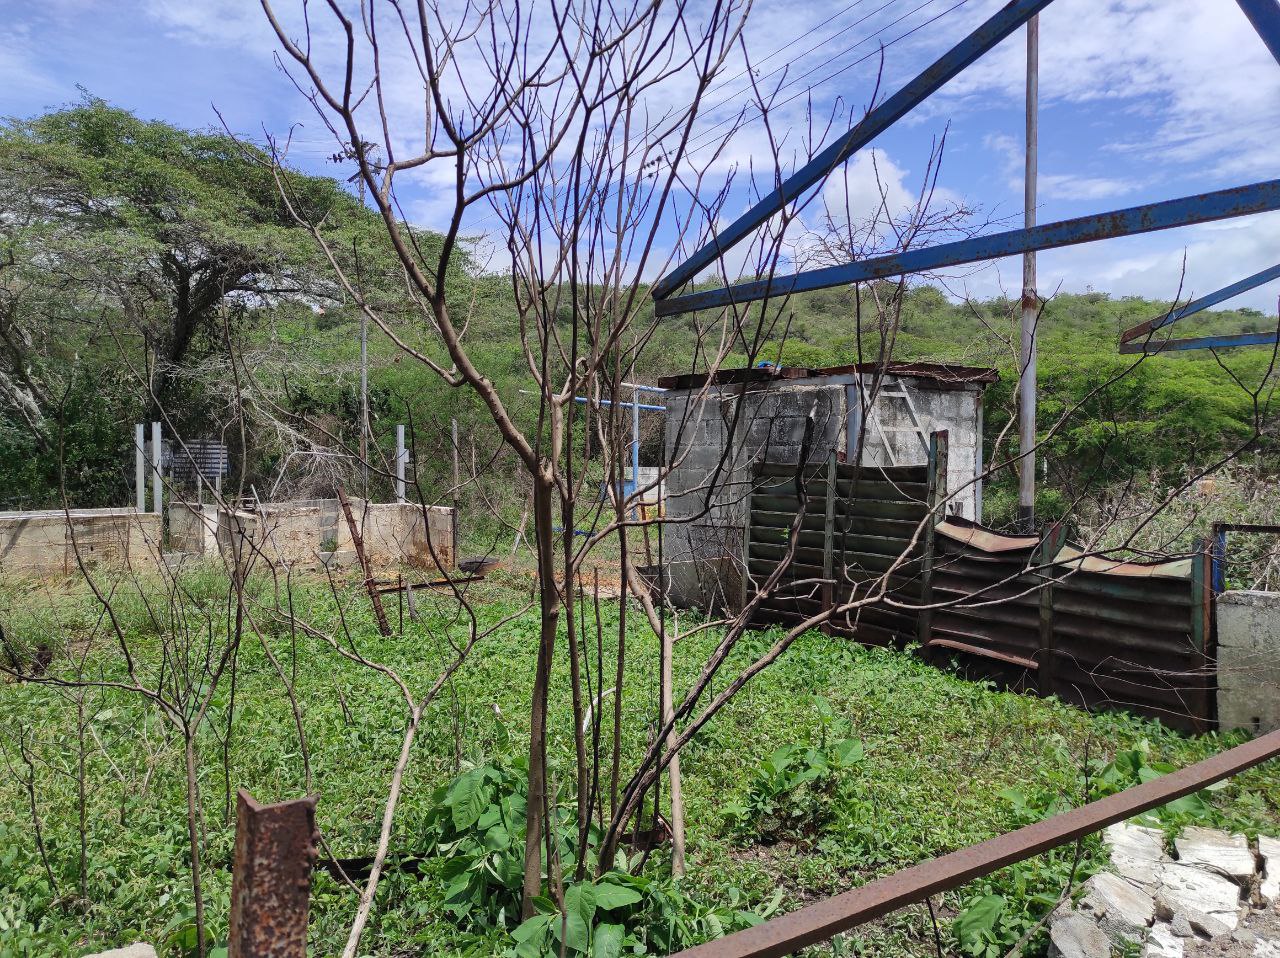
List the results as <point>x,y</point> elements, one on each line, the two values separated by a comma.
<point>819,922</point>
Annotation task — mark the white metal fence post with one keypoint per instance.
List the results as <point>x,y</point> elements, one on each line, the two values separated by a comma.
<point>140,465</point>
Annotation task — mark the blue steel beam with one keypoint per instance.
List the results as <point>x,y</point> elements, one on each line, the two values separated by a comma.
<point>1265,17</point>
<point>1203,303</point>
<point>1004,22</point>
<point>1201,342</point>
<point>1167,214</point>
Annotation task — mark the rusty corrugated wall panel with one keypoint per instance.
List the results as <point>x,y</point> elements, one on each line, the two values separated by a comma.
<point>1024,611</point>
<point>875,513</point>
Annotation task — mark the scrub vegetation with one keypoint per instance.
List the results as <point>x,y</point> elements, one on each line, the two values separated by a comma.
<point>838,765</point>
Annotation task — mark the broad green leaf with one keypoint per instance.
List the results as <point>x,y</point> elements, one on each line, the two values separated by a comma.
<point>468,798</point>
<point>609,895</point>
<point>608,942</point>
<point>977,919</point>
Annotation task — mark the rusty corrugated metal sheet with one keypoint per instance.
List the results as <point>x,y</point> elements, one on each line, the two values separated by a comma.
<point>875,512</point>
<point>1095,632</point>
<point>1032,613</point>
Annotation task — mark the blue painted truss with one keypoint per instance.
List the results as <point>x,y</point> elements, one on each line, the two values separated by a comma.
<point>1264,15</point>
<point>1139,339</point>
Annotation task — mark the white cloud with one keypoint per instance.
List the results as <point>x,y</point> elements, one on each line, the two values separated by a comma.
<point>1199,84</point>
<point>1068,186</point>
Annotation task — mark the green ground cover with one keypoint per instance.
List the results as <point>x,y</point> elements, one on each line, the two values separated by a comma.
<point>837,765</point>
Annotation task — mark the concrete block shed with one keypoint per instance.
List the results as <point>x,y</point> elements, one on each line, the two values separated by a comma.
<point>718,426</point>
<point>1248,634</point>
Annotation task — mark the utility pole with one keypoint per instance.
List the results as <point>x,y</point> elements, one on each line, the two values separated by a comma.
<point>364,404</point>
<point>1030,302</point>
<point>364,385</point>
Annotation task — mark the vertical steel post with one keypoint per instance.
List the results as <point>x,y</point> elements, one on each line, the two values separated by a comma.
<point>635,445</point>
<point>140,465</point>
<point>401,456</point>
<point>456,483</point>
<point>935,503</point>
<point>1030,311</point>
<point>271,878</point>
<point>157,492</point>
<point>977,465</point>
<point>364,405</point>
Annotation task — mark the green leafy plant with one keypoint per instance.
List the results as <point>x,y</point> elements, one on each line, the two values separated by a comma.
<point>793,792</point>
<point>476,837</point>
<point>1012,902</point>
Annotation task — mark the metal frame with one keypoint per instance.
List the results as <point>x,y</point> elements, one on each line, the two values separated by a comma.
<point>1264,15</point>
<point>1143,331</point>
<point>1218,574</point>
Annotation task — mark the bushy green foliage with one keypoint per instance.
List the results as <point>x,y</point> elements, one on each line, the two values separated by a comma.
<point>1012,903</point>
<point>797,788</point>
<point>475,835</point>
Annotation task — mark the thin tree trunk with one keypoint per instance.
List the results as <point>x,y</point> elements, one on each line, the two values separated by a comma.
<point>550,607</point>
<point>673,770</point>
<point>193,837</point>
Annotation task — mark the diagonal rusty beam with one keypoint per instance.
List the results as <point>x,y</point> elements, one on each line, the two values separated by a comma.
<point>818,922</point>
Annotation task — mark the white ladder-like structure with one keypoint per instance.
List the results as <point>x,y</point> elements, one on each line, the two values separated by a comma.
<point>892,387</point>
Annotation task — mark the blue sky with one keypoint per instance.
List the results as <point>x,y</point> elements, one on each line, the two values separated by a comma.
<point>1141,100</point>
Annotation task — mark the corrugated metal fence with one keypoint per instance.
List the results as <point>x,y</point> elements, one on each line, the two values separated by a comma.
<point>1032,612</point>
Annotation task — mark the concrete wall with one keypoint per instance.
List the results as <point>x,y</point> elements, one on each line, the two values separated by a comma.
<point>193,529</point>
<point>47,542</point>
<point>302,534</point>
<point>1249,660</point>
<point>396,532</point>
<point>704,550</point>
<point>955,410</point>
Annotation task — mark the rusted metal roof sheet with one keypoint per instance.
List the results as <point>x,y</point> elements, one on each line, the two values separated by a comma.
<point>1073,558</point>
<point>983,538</point>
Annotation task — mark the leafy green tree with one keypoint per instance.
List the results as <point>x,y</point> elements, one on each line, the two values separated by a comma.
<point>136,233</point>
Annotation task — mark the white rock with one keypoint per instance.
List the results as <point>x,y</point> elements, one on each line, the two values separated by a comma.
<point>1121,908</point>
<point>1269,849</point>
<point>1072,935</point>
<point>1162,943</point>
<point>136,950</point>
<point>1217,851</point>
<point>1184,888</point>
<point>1263,948</point>
<point>1181,927</point>
<point>1137,853</point>
<point>1207,925</point>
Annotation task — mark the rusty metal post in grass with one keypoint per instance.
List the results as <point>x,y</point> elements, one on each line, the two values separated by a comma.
<point>357,542</point>
<point>271,881</point>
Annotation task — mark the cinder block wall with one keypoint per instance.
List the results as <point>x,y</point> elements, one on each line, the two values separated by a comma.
<point>399,532</point>
<point>707,499</point>
<point>703,547</point>
<point>53,542</point>
<point>1248,660</point>
<point>296,533</point>
<point>193,529</point>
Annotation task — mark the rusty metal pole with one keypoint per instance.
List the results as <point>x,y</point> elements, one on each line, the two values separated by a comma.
<point>271,880</point>
<point>1030,304</point>
<point>357,543</point>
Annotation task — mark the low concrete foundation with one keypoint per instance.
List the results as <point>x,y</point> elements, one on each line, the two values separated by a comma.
<point>314,533</point>
<point>1249,660</point>
<point>193,529</point>
<point>53,542</point>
